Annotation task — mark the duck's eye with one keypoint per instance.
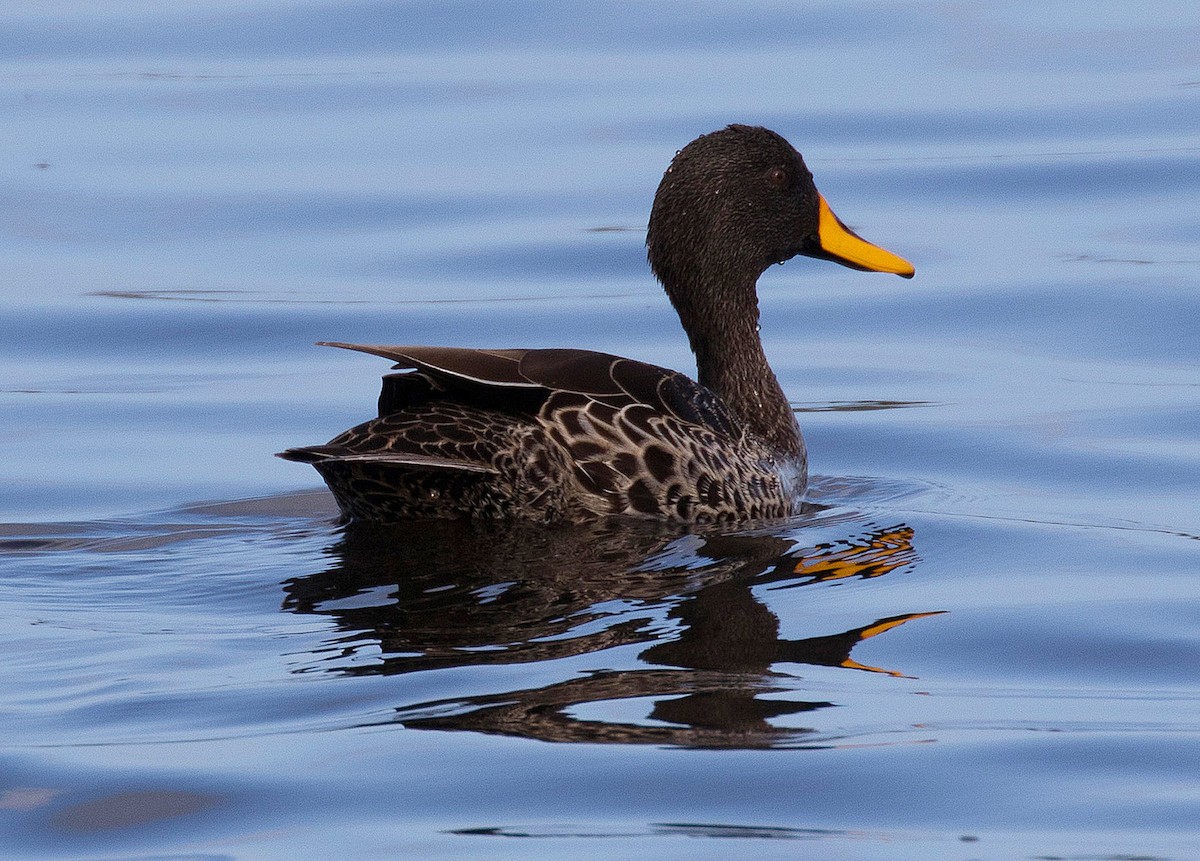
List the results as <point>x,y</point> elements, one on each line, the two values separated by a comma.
<point>778,177</point>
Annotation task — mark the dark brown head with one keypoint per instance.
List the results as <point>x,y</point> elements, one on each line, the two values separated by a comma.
<point>737,200</point>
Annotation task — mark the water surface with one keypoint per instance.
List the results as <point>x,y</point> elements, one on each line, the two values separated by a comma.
<point>979,643</point>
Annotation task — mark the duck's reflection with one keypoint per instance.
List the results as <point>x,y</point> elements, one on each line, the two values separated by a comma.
<point>663,627</point>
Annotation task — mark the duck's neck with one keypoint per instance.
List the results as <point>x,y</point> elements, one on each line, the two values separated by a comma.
<point>723,331</point>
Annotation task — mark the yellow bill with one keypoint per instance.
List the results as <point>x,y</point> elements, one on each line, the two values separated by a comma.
<point>842,245</point>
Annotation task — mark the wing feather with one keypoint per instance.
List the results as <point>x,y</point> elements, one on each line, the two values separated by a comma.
<point>601,376</point>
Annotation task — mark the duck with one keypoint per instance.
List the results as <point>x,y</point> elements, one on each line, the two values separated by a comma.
<point>571,435</point>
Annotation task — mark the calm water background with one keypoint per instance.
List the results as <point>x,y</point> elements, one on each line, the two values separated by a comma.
<point>984,645</point>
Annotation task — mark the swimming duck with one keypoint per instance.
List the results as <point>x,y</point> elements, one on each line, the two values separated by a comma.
<point>570,435</point>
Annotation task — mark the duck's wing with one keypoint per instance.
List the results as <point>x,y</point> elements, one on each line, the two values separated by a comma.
<point>481,367</point>
<point>603,377</point>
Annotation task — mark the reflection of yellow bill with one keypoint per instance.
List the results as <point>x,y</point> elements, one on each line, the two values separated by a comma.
<point>883,552</point>
<point>878,628</point>
<point>887,624</point>
<point>844,246</point>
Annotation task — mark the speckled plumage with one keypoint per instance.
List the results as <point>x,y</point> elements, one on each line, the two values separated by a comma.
<point>552,435</point>
<point>627,439</point>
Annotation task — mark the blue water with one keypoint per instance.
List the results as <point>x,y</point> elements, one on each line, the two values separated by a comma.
<point>982,641</point>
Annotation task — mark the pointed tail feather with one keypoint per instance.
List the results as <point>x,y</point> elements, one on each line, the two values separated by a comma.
<point>327,454</point>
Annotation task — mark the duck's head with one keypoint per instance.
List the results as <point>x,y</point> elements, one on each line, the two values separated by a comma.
<point>737,200</point>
